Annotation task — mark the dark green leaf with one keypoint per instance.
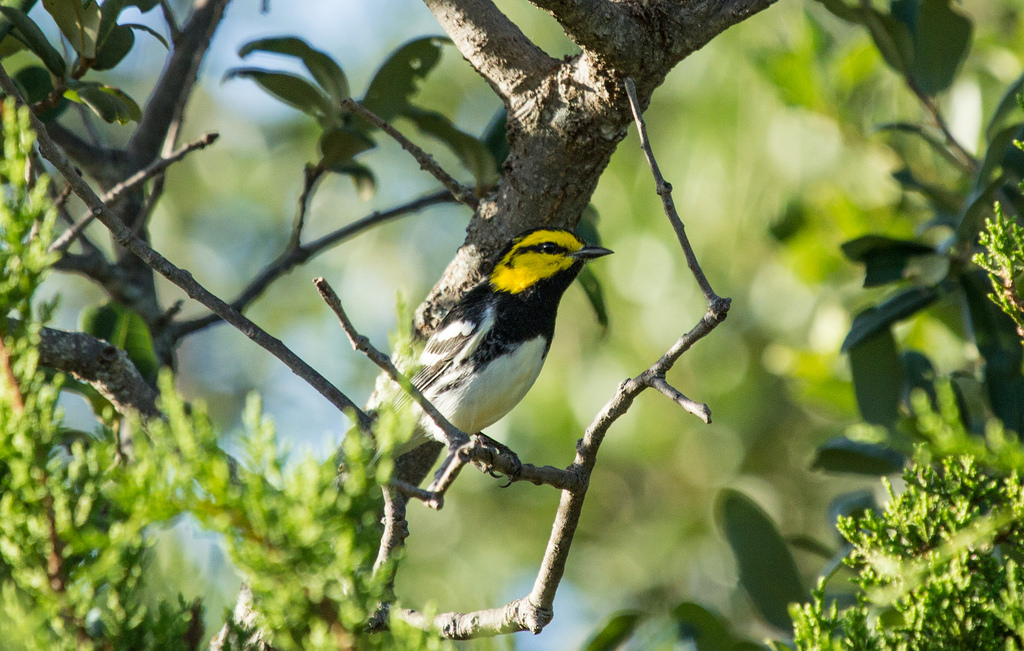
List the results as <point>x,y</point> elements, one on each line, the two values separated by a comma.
<point>34,39</point>
<point>109,13</point>
<point>891,37</point>
<point>842,10</point>
<point>125,329</point>
<point>24,6</point>
<point>934,140</point>
<point>152,32</point>
<point>617,630</point>
<point>471,152</point>
<point>362,177</point>
<point>884,258</point>
<point>811,545</point>
<point>496,139</point>
<point>977,208</point>
<point>339,146</point>
<point>941,40</point>
<point>1006,105</point>
<point>115,48</point>
<point>34,82</point>
<point>877,377</point>
<point>767,570</point>
<point>999,148</point>
<point>919,374</point>
<point>290,89</point>
<point>395,81</point>
<point>111,104</point>
<point>940,198</point>
<point>875,319</point>
<point>324,69</point>
<point>707,630</point>
<point>996,337</point>
<point>587,226</point>
<point>843,455</point>
<point>595,294</point>
<point>143,5</point>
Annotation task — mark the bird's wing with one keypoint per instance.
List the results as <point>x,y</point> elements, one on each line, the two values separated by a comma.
<point>456,338</point>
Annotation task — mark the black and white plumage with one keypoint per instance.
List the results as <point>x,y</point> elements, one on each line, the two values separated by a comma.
<point>489,349</point>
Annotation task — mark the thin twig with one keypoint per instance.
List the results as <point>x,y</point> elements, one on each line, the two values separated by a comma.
<point>183,279</point>
<point>294,256</point>
<point>664,190</point>
<point>111,196</point>
<point>455,437</point>
<point>461,193</point>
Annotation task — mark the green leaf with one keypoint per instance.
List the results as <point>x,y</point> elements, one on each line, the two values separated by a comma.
<point>395,82</point>
<point>290,89</point>
<point>34,39</point>
<point>595,294</point>
<point>891,37</point>
<point>942,38</point>
<point>495,138</point>
<point>152,32</point>
<point>884,258</point>
<point>339,146</point>
<point>80,23</point>
<point>472,153</point>
<point>362,177</point>
<point>34,82</point>
<point>109,13</point>
<point>877,377</point>
<point>115,47</point>
<point>875,319</point>
<point>125,329</point>
<point>843,455</point>
<point>840,9</point>
<point>617,630</point>
<point>111,104</point>
<point>995,335</point>
<point>324,69</point>
<point>767,570</point>
<point>1006,105</point>
<point>708,631</point>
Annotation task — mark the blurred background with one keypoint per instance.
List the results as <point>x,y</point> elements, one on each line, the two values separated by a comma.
<point>769,137</point>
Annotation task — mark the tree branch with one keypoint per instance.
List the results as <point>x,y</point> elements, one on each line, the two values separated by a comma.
<point>455,437</point>
<point>170,95</point>
<point>102,365</point>
<point>493,45</point>
<point>183,279</point>
<point>296,254</point>
<point>115,193</point>
<point>461,193</point>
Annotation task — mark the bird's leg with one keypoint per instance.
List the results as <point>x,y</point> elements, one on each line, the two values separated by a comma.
<point>497,459</point>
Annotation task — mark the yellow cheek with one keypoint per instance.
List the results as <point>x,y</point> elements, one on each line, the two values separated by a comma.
<point>521,272</point>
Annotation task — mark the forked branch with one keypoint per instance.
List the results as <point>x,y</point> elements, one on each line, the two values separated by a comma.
<point>534,611</point>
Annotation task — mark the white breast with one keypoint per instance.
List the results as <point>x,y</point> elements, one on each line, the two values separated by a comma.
<point>495,389</point>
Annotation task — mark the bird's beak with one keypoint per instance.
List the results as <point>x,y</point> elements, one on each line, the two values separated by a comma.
<point>590,252</point>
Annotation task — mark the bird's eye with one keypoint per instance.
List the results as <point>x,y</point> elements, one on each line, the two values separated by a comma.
<point>548,247</point>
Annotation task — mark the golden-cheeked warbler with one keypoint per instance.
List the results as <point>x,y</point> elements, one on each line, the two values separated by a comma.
<point>489,349</point>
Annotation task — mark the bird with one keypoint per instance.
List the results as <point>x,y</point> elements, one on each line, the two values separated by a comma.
<point>490,347</point>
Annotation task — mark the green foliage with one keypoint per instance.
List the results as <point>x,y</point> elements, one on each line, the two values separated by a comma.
<point>935,569</point>
<point>389,96</point>
<point>1003,259</point>
<point>79,512</point>
<point>96,39</point>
